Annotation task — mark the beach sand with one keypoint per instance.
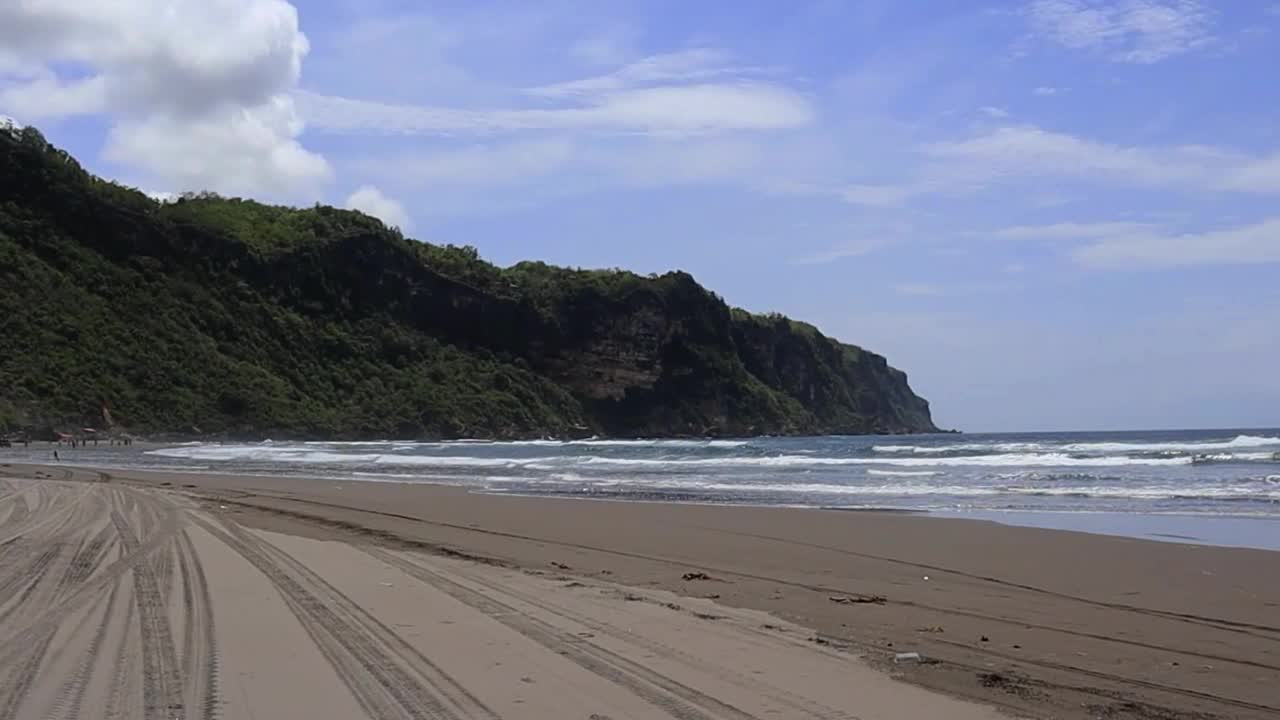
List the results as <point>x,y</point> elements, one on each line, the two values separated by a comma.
<point>285,597</point>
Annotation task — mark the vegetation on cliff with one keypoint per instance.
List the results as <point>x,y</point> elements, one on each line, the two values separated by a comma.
<point>225,316</point>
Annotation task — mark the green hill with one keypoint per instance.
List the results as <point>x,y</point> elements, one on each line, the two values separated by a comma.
<point>220,316</point>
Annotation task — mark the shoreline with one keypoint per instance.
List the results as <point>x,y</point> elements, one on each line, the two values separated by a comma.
<point>1024,518</point>
<point>1129,633</point>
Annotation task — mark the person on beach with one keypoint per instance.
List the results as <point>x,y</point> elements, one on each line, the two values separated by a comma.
<point>55,456</point>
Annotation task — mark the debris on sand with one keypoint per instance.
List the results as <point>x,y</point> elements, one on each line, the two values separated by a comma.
<point>858,599</point>
<point>696,576</point>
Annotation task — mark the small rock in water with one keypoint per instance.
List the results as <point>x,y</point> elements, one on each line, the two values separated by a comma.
<point>696,576</point>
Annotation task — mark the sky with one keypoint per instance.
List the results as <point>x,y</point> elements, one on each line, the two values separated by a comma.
<point>1052,214</point>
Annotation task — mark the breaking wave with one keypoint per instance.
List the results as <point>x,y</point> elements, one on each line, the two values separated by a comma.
<point>1189,448</point>
<point>1228,473</point>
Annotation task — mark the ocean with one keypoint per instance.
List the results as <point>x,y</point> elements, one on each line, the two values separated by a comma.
<point>1198,473</point>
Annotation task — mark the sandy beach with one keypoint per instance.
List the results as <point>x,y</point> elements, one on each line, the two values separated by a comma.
<point>131,594</point>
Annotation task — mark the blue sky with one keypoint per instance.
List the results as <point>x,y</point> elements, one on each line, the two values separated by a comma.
<point>1053,214</point>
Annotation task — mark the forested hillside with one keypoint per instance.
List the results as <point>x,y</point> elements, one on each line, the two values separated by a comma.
<point>218,316</point>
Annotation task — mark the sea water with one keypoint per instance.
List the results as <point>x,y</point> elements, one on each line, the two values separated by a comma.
<point>1016,477</point>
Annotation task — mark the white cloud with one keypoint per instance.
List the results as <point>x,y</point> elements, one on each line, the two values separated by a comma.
<point>1068,231</point>
<point>1026,151</point>
<point>1249,244</point>
<point>1016,151</point>
<point>1046,91</point>
<point>682,93</point>
<point>1125,244</point>
<point>668,110</point>
<point>994,112</point>
<point>1256,176</point>
<point>1135,31</point>
<point>1020,153</point>
<point>371,201</point>
<point>233,151</point>
<point>850,249</point>
<point>197,90</point>
<point>687,66</point>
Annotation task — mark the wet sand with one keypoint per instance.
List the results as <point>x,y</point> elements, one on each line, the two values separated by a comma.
<point>665,609</point>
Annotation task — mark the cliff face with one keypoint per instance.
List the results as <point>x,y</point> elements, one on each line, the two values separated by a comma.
<point>222,316</point>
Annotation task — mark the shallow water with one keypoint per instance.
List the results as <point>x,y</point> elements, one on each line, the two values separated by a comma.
<point>1227,531</point>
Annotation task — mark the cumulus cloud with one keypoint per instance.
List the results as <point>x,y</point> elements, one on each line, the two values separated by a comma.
<point>1134,31</point>
<point>371,201</point>
<point>231,150</point>
<point>197,90</point>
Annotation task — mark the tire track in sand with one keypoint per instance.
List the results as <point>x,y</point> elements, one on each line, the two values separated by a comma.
<point>199,645</point>
<point>70,698</point>
<point>161,685</point>
<point>355,644</point>
<point>24,676</point>
<point>672,697</point>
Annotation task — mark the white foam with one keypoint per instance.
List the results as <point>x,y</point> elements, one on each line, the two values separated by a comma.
<point>963,447</point>
<point>592,442</point>
<point>1153,492</point>
<point>904,489</point>
<point>1240,441</point>
<point>1237,457</point>
<point>262,453</point>
<point>1003,460</point>
<point>452,461</point>
<point>903,473</point>
<point>308,454</point>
